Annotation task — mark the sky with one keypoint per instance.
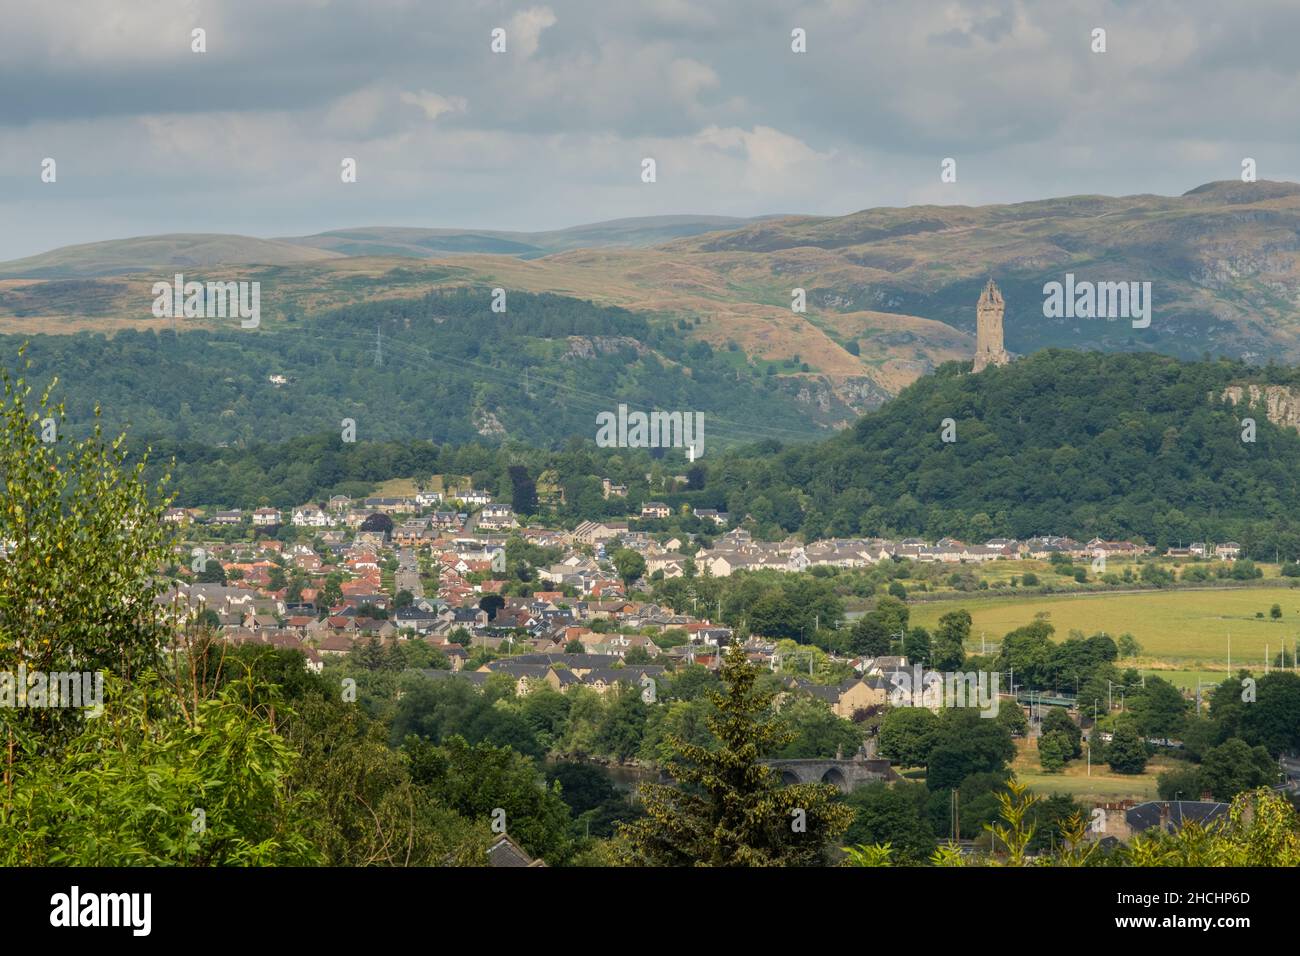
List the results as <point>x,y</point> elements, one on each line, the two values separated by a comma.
<point>248,137</point>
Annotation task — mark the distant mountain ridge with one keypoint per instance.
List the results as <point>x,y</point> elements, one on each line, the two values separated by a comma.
<point>178,250</point>
<point>890,292</point>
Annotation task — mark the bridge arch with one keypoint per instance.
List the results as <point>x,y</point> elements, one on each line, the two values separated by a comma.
<point>836,777</point>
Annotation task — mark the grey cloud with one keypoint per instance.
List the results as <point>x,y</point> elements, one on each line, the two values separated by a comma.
<point>248,136</point>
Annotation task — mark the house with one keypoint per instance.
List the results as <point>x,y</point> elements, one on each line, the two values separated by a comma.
<point>1170,815</point>
<point>655,509</point>
<point>497,517</point>
<point>1228,551</point>
<point>389,505</point>
<point>710,514</point>
<point>473,497</point>
<point>609,489</point>
<point>412,531</point>
<point>176,516</point>
<point>232,517</point>
<point>309,516</point>
<point>266,517</point>
<point>598,532</point>
<point>846,698</point>
<point>503,851</point>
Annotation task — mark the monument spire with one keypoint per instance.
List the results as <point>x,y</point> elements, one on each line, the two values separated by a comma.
<point>988,328</point>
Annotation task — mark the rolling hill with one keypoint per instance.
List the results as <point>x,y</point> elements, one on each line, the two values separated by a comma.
<point>890,291</point>
<point>1135,446</point>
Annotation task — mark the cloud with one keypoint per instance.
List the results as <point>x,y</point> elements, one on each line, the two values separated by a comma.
<point>524,31</point>
<point>248,136</point>
<point>435,105</point>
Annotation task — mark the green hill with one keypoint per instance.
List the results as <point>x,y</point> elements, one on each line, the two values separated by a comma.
<point>442,367</point>
<point>1081,443</point>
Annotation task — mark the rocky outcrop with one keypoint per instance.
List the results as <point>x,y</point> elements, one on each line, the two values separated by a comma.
<point>1281,403</point>
<point>589,347</point>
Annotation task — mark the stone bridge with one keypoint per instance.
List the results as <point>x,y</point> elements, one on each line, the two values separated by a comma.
<point>846,774</point>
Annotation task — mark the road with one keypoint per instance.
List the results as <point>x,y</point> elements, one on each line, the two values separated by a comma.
<point>407,577</point>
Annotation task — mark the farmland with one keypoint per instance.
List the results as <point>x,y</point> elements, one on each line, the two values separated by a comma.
<point>1173,625</point>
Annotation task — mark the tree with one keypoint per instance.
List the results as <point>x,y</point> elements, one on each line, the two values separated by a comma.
<point>637,655</point>
<point>1159,709</point>
<point>916,646</point>
<point>877,631</point>
<point>726,808</point>
<point>575,646</point>
<point>491,603</point>
<point>378,522</point>
<point>523,491</point>
<point>893,814</point>
<point>1234,766</point>
<point>1275,612</point>
<point>123,791</point>
<point>1054,750</point>
<point>1183,782</point>
<point>968,744</point>
<point>1013,719</point>
<point>1127,753</point>
<point>1057,720</point>
<point>477,781</point>
<point>84,540</point>
<point>949,644</point>
<point>212,573</point>
<point>331,595</point>
<point>629,564</point>
<point>620,731</point>
<point>817,731</point>
<point>908,735</point>
<point>1128,645</point>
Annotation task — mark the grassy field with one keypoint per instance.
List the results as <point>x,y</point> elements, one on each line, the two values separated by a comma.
<point>1181,626</point>
<point>1102,785</point>
<point>1185,679</point>
<point>396,488</point>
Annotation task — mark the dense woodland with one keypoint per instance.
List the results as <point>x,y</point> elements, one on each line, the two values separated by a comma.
<point>443,367</point>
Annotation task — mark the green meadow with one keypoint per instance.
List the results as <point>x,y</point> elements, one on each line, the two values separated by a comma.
<point>1176,625</point>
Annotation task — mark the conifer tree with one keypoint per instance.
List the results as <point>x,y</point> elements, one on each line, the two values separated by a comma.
<point>726,808</point>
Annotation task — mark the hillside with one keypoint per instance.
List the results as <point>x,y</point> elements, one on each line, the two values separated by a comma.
<point>146,253</point>
<point>441,367</point>
<point>1080,443</point>
<point>429,243</point>
<point>890,291</point>
<point>159,253</point>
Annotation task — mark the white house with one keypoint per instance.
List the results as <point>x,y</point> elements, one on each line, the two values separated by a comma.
<point>309,516</point>
<point>266,517</point>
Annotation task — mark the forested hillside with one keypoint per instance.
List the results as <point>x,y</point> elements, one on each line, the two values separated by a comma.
<point>443,367</point>
<point>1059,442</point>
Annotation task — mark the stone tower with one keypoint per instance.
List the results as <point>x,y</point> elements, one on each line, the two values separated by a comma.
<point>988,329</point>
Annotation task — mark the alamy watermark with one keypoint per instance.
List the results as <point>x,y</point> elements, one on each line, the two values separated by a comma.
<point>213,300</point>
<point>38,690</point>
<point>922,688</point>
<point>1098,300</point>
<point>651,430</point>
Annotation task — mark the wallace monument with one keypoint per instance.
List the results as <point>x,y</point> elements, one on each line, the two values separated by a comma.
<point>988,329</point>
